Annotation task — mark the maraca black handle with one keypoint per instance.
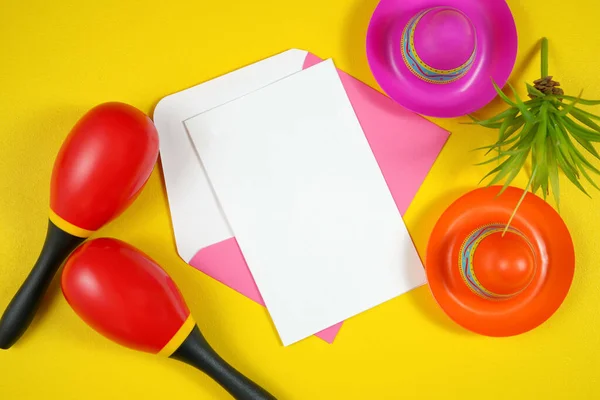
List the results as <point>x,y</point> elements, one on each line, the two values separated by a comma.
<point>25,303</point>
<point>196,351</point>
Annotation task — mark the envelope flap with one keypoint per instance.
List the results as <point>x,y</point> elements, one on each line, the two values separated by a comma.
<point>197,219</point>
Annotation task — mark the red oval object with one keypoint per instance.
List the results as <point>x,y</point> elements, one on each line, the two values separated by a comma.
<point>125,296</point>
<point>504,264</point>
<point>102,166</point>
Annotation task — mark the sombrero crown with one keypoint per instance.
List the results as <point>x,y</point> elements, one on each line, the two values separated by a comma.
<point>439,58</point>
<point>439,45</point>
<point>498,280</point>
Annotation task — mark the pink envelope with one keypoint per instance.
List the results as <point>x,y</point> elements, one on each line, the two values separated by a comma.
<point>404,144</point>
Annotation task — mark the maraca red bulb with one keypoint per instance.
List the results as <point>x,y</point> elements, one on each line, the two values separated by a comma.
<point>126,296</point>
<point>102,166</point>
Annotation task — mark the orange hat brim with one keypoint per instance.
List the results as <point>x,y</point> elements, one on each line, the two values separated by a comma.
<point>553,248</point>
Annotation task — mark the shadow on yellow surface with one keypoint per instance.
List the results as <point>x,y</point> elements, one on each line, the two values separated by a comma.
<point>354,43</point>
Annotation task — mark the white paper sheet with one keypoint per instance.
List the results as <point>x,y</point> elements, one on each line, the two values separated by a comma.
<point>307,202</point>
<point>196,216</point>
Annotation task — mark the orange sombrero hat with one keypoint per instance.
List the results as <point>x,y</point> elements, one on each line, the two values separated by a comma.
<point>495,283</point>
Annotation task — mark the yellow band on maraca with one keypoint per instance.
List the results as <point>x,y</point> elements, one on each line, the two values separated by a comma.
<point>69,227</point>
<point>179,337</point>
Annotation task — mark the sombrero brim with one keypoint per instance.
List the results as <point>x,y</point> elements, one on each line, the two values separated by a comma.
<point>497,46</point>
<point>551,242</point>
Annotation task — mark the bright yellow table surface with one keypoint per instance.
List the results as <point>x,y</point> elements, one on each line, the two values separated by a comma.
<point>60,58</point>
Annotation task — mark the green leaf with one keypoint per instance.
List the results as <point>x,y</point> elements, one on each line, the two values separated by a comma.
<point>504,154</point>
<point>525,139</point>
<point>580,131</point>
<point>522,107</point>
<point>497,118</point>
<point>588,146</point>
<point>581,159</point>
<point>518,122</point>
<point>552,130</point>
<point>498,169</point>
<point>508,121</point>
<point>570,175</point>
<point>528,129</point>
<point>553,108</point>
<point>534,102</point>
<point>540,136</point>
<point>528,134</point>
<point>581,101</point>
<point>533,91</point>
<point>584,143</point>
<point>497,144</point>
<point>510,167</point>
<point>553,173</point>
<point>585,120</point>
<point>569,151</point>
<point>540,152</point>
<point>490,125</point>
<point>507,139</point>
<point>515,171</point>
<point>503,169</point>
<point>535,183</point>
<point>543,179</point>
<point>568,162</point>
<point>567,108</point>
<point>502,95</point>
<point>589,179</point>
<point>557,123</point>
<point>588,114</point>
<point>563,149</point>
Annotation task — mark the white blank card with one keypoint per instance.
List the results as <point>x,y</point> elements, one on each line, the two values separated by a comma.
<point>307,202</point>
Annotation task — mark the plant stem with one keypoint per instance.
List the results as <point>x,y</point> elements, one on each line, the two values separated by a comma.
<point>544,58</point>
<point>520,201</point>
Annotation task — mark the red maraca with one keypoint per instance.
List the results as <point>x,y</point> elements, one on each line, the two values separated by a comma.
<point>128,298</point>
<point>100,169</point>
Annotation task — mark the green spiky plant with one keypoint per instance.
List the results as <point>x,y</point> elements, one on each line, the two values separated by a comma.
<point>545,130</point>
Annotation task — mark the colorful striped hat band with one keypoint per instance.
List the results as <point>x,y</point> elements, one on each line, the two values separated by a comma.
<point>470,266</point>
<point>439,45</point>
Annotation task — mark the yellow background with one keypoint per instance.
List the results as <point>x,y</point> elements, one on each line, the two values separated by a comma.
<point>60,58</point>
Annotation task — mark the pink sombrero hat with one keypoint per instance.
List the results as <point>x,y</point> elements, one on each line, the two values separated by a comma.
<point>438,58</point>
